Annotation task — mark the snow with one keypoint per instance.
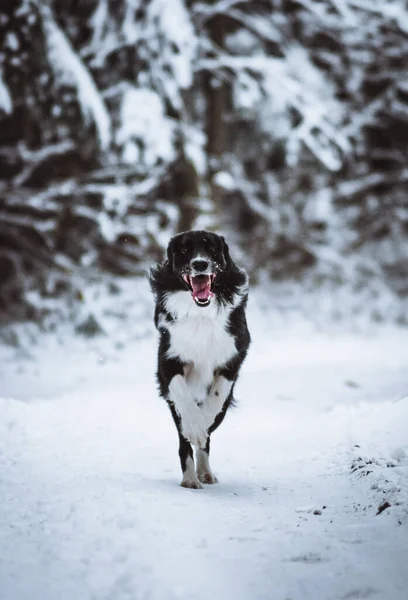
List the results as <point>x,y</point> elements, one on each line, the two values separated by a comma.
<point>90,502</point>
<point>98,21</point>
<point>174,19</point>
<point>12,41</point>
<point>247,91</point>
<point>165,37</point>
<point>224,180</point>
<point>273,87</point>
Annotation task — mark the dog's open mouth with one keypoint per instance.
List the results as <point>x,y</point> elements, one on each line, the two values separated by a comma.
<point>201,287</point>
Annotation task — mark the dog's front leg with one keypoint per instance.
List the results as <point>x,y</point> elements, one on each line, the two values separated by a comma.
<point>213,412</point>
<point>193,422</point>
<point>190,479</point>
<point>191,427</point>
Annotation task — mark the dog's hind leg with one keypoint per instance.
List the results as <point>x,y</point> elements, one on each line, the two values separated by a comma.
<point>204,473</point>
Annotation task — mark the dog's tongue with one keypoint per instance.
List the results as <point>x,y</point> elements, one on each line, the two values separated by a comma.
<point>201,287</point>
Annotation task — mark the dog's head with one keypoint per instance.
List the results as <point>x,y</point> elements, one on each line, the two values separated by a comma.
<point>198,258</point>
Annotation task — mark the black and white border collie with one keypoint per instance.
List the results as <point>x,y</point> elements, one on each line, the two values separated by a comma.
<point>201,297</point>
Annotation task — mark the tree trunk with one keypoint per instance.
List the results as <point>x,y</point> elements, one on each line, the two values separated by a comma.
<point>186,193</point>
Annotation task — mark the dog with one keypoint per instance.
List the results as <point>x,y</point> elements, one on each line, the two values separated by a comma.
<point>201,297</point>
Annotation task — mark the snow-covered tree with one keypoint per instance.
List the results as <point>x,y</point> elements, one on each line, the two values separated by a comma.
<point>123,121</point>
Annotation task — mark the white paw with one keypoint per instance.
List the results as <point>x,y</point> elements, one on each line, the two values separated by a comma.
<point>192,484</point>
<point>207,477</point>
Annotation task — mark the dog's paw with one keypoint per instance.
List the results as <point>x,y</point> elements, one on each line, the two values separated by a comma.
<point>207,477</point>
<point>192,484</point>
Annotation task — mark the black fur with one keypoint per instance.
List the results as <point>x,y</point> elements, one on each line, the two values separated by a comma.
<point>229,292</point>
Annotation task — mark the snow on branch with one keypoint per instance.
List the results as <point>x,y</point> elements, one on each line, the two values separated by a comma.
<point>172,71</point>
<point>168,34</point>
<point>272,87</point>
<point>162,34</point>
<point>224,6</point>
<point>34,158</point>
<point>352,11</point>
<point>70,70</point>
<point>345,11</point>
<point>263,29</point>
<point>391,8</point>
<point>99,20</point>
<point>319,10</point>
<point>349,190</point>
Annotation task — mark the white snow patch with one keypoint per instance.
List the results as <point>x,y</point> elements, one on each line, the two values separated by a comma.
<point>224,180</point>
<point>398,454</point>
<point>12,41</point>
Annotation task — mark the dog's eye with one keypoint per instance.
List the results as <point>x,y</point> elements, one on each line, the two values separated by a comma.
<point>183,250</point>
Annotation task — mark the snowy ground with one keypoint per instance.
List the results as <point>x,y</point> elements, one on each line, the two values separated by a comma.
<point>91,509</point>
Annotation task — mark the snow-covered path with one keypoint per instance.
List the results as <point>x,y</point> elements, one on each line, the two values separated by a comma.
<point>90,507</point>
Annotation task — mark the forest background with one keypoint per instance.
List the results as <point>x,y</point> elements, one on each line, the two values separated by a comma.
<point>281,123</point>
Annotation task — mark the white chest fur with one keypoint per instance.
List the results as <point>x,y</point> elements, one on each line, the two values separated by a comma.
<point>199,337</point>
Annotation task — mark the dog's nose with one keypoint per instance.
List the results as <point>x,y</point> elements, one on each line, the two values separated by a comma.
<point>199,265</point>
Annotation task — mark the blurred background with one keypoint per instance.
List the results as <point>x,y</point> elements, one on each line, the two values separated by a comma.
<point>282,124</point>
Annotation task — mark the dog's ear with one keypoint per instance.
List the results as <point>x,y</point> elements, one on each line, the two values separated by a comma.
<point>170,253</point>
<point>225,251</point>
